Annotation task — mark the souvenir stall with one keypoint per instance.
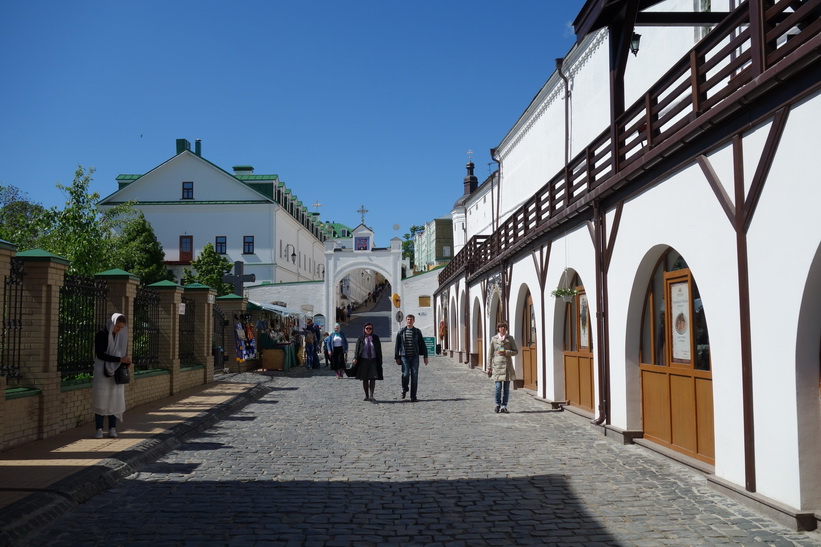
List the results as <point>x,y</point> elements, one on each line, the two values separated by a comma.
<point>274,326</point>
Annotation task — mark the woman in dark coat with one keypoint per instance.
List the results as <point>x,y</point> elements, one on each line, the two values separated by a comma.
<point>368,361</point>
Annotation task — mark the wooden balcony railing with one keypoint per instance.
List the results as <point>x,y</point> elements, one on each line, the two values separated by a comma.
<point>755,37</point>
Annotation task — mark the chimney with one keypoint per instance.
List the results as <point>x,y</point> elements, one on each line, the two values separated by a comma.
<point>471,182</point>
<point>243,170</point>
<point>198,147</point>
<point>183,145</point>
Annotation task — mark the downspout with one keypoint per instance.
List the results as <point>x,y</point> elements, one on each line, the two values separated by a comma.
<point>494,224</point>
<point>466,324</point>
<point>559,64</point>
<point>601,317</point>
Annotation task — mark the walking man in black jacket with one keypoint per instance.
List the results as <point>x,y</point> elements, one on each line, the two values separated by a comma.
<point>410,345</point>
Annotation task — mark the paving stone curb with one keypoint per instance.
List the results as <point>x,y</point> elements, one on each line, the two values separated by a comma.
<point>34,511</point>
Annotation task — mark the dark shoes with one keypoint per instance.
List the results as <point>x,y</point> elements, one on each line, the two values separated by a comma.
<point>503,410</point>
<point>414,400</point>
<point>404,393</point>
<point>497,409</point>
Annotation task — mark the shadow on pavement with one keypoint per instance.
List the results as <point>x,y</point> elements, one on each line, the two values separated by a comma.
<point>540,509</point>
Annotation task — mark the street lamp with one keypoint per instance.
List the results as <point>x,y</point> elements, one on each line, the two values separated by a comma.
<point>635,41</point>
<point>293,252</point>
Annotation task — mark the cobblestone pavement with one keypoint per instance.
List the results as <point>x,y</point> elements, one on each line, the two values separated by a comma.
<point>311,463</point>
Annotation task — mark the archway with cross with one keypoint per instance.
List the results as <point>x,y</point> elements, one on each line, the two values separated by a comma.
<point>341,261</point>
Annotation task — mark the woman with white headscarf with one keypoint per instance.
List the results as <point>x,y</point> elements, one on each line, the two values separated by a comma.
<point>108,397</point>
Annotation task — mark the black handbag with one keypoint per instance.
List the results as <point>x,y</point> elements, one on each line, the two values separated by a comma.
<point>122,375</point>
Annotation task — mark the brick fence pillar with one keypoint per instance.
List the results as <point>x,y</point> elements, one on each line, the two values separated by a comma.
<point>170,300</point>
<point>204,298</point>
<point>44,275</point>
<point>122,290</point>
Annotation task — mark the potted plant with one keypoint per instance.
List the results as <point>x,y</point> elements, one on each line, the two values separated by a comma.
<point>565,293</point>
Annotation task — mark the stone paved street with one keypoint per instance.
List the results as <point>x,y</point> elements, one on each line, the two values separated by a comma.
<point>311,463</point>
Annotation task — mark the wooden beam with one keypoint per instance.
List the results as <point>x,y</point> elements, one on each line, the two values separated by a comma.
<point>680,19</point>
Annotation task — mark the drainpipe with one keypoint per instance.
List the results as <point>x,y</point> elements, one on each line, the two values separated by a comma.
<point>494,224</point>
<point>601,317</point>
<point>559,64</point>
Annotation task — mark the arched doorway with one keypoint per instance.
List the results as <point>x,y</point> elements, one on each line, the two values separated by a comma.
<point>478,334</point>
<point>578,349</point>
<point>453,339</point>
<point>528,343</point>
<point>676,372</point>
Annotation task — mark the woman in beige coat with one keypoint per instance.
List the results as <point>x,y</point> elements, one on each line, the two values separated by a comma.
<point>502,347</point>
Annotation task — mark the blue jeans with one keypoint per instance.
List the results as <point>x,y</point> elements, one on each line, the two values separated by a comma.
<point>502,393</point>
<point>310,356</point>
<point>98,421</point>
<point>410,374</point>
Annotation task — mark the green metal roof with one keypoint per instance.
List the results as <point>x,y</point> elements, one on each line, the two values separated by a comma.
<point>257,177</point>
<point>190,202</point>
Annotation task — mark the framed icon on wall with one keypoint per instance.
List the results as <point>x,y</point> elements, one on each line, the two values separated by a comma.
<point>361,243</point>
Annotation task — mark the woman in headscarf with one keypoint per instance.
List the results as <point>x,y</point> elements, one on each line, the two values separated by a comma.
<point>108,397</point>
<point>368,361</point>
<point>336,345</point>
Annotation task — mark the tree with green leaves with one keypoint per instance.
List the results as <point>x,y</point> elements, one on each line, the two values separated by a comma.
<point>80,232</point>
<point>209,268</point>
<point>407,244</point>
<point>21,221</point>
<point>137,251</point>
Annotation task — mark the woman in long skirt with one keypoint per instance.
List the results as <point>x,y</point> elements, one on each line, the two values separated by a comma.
<point>368,361</point>
<point>108,397</point>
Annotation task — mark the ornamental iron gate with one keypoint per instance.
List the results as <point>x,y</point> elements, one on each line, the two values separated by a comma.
<point>82,312</point>
<point>187,322</point>
<point>145,329</point>
<point>12,334</point>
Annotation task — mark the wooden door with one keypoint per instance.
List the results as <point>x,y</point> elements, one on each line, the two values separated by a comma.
<point>186,249</point>
<point>578,353</point>
<point>530,375</point>
<point>676,375</point>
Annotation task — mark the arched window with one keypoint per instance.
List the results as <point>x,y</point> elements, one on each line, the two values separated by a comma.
<point>672,281</point>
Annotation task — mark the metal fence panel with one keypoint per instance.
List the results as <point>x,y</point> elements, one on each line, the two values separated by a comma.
<point>11,338</point>
<point>82,314</point>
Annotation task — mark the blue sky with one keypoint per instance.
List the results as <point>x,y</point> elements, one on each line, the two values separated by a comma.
<point>364,102</point>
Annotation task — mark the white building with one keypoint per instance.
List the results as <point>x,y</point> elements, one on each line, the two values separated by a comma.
<point>672,190</point>
<point>251,218</point>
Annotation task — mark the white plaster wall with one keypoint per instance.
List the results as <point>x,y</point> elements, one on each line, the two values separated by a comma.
<point>588,68</point>
<point>479,217</point>
<point>781,250</point>
<point>306,295</point>
<point>699,230</point>
<point>421,285</point>
<point>572,253</point>
<point>537,151</point>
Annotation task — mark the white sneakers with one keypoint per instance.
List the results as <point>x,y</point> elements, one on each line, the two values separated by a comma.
<point>111,433</point>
